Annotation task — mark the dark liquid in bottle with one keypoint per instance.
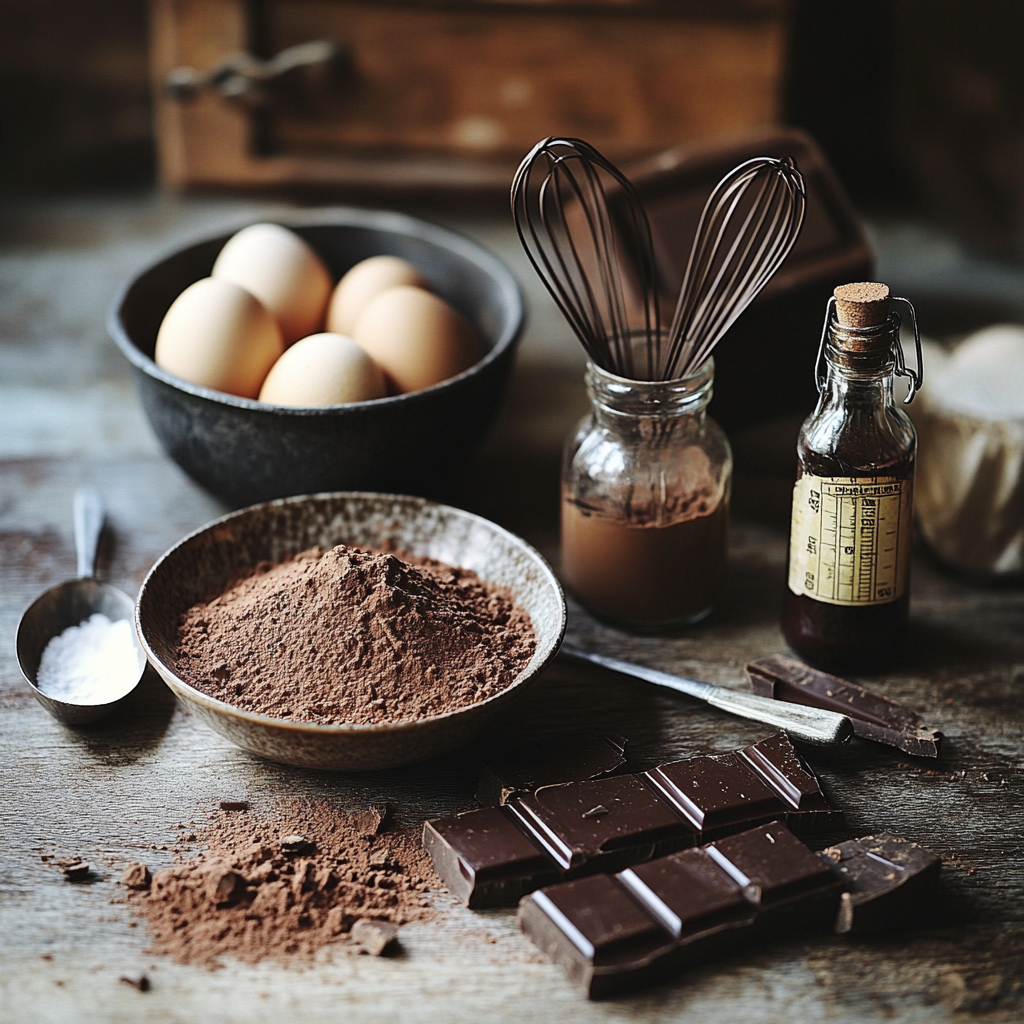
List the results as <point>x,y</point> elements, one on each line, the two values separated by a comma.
<point>838,637</point>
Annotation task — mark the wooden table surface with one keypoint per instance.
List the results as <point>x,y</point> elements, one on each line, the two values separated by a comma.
<point>111,793</point>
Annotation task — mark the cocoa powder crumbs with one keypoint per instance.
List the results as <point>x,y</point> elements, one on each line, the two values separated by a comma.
<point>246,898</point>
<point>354,636</point>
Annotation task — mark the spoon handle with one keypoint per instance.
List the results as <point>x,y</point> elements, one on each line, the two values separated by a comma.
<point>89,516</point>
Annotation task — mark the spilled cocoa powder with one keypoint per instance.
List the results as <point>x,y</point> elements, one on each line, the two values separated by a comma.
<point>283,885</point>
<point>353,636</point>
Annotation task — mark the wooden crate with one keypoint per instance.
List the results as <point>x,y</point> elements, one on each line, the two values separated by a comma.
<point>447,95</point>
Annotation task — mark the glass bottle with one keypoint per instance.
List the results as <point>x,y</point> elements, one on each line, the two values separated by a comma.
<point>646,481</point>
<point>847,601</point>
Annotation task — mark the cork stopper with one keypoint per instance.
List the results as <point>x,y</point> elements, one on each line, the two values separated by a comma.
<point>864,304</point>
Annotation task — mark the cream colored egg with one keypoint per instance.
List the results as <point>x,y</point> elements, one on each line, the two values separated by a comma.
<point>283,272</point>
<point>364,282</point>
<point>416,338</point>
<point>216,334</point>
<point>323,369</point>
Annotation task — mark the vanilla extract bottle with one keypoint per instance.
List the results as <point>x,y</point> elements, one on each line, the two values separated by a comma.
<point>847,599</point>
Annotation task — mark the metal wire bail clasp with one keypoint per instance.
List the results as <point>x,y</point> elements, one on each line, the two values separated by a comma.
<point>916,377</point>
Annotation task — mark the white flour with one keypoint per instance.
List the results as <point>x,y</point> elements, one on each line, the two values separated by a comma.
<point>92,663</point>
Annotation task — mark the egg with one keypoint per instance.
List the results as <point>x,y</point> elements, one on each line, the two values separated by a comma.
<point>416,338</point>
<point>218,335</point>
<point>323,369</point>
<point>364,282</point>
<point>283,272</point>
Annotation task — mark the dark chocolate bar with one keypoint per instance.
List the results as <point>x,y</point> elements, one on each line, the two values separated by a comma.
<point>613,932</point>
<point>890,882</point>
<point>492,856</point>
<point>617,931</point>
<point>874,717</point>
<point>560,759</point>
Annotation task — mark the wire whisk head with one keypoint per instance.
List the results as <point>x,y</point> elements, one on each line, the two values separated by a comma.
<point>749,225</point>
<point>600,269</point>
<point>561,209</point>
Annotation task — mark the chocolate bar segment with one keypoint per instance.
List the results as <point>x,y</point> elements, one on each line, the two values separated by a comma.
<point>874,717</point>
<point>705,902</point>
<point>890,882</point>
<point>559,759</point>
<point>716,791</point>
<point>485,859</point>
<point>566,831</point>
<point>579,822</point>
<point>688,892</point>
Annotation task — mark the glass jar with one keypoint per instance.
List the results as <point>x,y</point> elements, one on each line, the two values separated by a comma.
<point>646,481</point>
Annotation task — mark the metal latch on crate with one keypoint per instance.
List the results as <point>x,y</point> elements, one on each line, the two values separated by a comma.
<point>254,81</point>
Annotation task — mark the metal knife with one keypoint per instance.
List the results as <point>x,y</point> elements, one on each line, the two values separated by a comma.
<point>812,725</point>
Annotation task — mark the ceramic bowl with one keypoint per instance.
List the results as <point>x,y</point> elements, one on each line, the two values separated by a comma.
<point>205,561</point>
<point>246,451</point>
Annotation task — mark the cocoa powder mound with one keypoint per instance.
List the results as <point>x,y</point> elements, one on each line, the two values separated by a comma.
<point>284,887</point>
<point>354,636</point>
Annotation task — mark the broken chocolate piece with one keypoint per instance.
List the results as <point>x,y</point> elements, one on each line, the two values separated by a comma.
<point>874,717</point>
<point>223,885</point>
<point>136,876</point>
<point>370,821</point>
<point>75,869</point>
<point>234,805</point>
<point>296,845</point>
<point>614,932</point>
<point>494,855</point>
<point>558,759</point>
<point>890,882</point>
<point>374,936</point>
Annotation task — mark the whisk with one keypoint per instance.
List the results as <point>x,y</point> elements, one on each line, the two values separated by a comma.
<point>562,213</point>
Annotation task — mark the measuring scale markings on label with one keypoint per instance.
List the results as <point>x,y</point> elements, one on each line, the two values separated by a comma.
<point>850,540</point>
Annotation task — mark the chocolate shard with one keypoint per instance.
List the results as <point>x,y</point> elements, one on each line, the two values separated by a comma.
<point>494,855</point>
<point>136,876</point>
<point>559,759</point>
<point>376,937</point>
<point>372,820</point>
<point>75,869</point>
<point>874,717</point>
<point>619,931</point>
<point>890,882</point>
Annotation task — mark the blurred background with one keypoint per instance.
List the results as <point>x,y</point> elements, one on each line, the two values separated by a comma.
<point>919,104</point>
<point>127,128</point>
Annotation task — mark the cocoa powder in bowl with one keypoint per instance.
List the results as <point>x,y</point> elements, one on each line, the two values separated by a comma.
<point>351,636</point>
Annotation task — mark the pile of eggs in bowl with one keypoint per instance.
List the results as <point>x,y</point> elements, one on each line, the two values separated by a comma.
<point>270,324</point>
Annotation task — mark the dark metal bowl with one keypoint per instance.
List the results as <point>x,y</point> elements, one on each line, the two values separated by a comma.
<point>246,451</point>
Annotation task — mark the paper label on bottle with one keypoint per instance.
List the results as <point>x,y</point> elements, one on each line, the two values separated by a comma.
<point>850,539</point>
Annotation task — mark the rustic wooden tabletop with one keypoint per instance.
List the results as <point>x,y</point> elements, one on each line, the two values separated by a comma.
<point>111,793</point>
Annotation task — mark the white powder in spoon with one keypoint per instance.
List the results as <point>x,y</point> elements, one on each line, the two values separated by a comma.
<point>93,663</point>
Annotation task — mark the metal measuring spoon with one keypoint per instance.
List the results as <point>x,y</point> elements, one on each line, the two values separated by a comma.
<point>70,604</point>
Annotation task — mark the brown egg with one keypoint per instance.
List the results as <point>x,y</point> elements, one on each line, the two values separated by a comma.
<point>216,334</point>
<point>416,338</point>
<point>364,282</point>
<point>283,272</point>
<point>323,369</point>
